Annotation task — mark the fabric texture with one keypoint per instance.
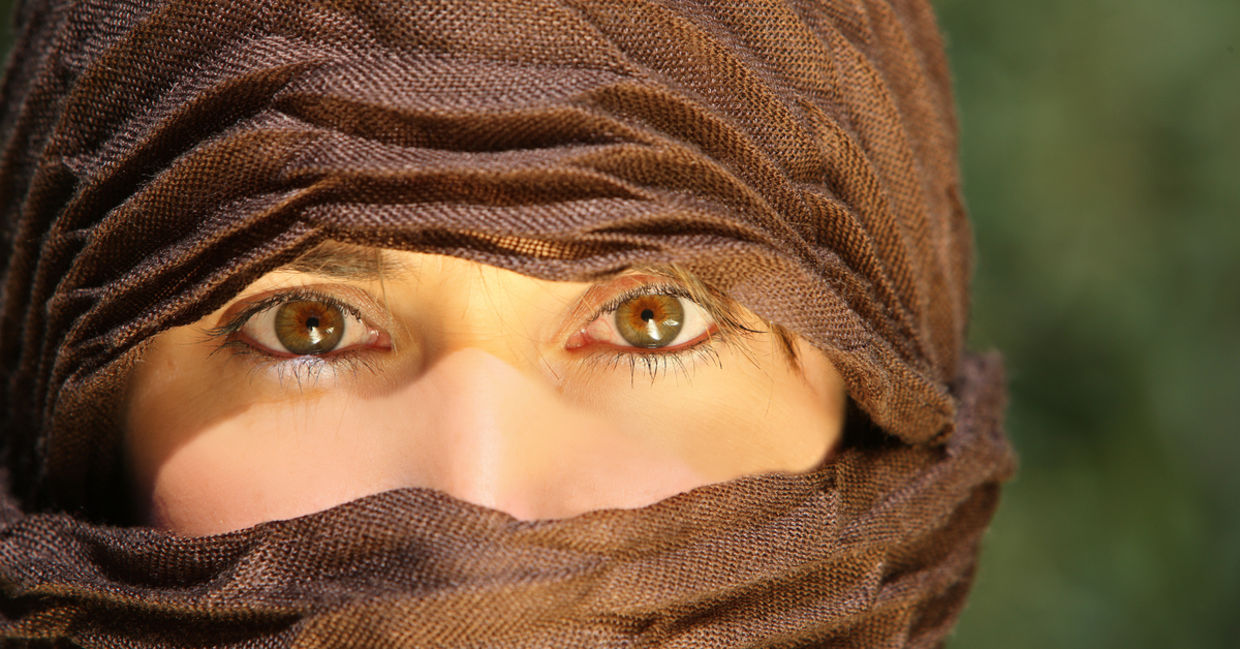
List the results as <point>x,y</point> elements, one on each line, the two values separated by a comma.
<point>160,155</point>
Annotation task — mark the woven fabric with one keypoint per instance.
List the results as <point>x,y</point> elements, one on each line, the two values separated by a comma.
<point>800,156</point>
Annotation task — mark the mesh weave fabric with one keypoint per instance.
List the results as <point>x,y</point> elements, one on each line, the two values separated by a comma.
<point>800,156</point>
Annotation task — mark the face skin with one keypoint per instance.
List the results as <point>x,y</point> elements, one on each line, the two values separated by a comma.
<point>515,393</point>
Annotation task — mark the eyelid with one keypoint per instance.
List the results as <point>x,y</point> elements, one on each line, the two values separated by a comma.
<point>661,287</point>
<point>596,301</point>
<point>627,288</point>
<point>236,315</point>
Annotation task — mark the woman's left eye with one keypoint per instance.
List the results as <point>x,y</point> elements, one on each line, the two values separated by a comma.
<point>650,321</point>
<point>307,327</point>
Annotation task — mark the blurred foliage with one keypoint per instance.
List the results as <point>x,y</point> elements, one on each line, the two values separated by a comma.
<point>1100,153</point>
<point>1100,149</point>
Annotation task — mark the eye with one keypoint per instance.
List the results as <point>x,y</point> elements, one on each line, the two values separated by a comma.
<point>649,321</point>
<point>307,327</point>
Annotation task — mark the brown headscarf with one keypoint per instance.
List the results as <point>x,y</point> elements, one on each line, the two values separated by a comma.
<point>159,155</point>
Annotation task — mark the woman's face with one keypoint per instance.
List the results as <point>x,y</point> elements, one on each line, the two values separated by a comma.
<point>354,371</point>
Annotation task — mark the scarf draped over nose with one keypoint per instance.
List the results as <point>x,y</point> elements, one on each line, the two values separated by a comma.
<point>159,155</point>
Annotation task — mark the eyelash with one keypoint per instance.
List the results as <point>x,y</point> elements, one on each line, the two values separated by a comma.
<point>654,361</point>
<point>308,368</point>
<point>302,369</point>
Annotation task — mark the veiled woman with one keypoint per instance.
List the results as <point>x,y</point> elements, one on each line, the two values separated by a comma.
<point>475,324</point>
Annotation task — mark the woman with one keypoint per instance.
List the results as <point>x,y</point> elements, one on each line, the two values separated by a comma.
<point>269,262</point>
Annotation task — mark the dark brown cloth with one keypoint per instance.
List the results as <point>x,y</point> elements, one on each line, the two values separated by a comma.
<point>158,156</point>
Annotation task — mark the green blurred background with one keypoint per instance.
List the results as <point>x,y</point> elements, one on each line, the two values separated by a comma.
<point>1100,147</point>
<point>1100,151</point>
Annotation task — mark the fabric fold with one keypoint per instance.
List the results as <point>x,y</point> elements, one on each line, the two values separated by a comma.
<point>159,155</point>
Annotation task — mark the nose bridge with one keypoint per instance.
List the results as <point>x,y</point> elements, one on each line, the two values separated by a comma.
<point>484,316</point>
<point>495,429</point>
<point>497,436</point>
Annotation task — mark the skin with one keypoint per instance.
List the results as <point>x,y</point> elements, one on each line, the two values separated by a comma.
<point>470,379</point>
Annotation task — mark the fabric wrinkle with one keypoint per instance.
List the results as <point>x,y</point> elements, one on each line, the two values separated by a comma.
<point>159,155</point>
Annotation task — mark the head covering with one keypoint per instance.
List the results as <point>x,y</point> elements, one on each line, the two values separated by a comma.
<point>159,155</point>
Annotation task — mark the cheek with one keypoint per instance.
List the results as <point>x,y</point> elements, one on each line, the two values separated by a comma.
<point>267,462</point>
<point>750,413</point>
<point>213,447</point>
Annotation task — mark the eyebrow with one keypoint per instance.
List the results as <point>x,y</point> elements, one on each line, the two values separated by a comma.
<point>343,261</point>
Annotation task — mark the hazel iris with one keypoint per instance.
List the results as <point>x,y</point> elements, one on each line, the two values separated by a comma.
<point>306,327</point>
<point>650,320</point>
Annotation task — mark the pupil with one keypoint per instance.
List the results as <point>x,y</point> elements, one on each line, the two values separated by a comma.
<point>312,322</point>
<point>647,315</point>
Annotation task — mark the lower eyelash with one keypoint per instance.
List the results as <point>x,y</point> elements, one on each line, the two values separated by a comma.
<point>682,362</point>
<point>302,369</point>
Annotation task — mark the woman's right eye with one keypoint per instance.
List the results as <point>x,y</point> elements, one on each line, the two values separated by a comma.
<point>308,327</point>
